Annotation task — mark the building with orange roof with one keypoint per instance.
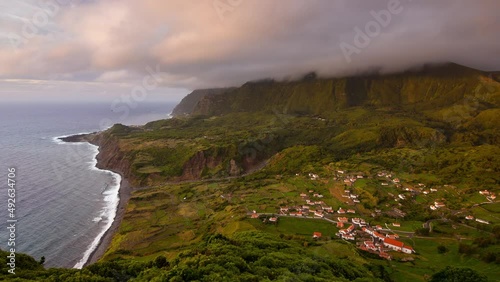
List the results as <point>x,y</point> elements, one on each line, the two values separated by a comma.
<point>393,244</point>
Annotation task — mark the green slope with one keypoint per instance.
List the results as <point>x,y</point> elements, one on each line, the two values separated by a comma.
<point>253,147</point>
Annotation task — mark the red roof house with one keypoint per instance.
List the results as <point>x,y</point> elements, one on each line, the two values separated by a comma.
<point>393,244</point>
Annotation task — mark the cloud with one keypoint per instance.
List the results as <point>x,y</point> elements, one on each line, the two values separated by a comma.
<point>227,42</point>
<point>113,76</point>
<point>67,91</point>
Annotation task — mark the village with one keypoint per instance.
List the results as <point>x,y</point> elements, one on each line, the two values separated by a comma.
<point>377,239</point>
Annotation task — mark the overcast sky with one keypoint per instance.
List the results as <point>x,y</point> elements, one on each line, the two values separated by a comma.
<point>82,50</point>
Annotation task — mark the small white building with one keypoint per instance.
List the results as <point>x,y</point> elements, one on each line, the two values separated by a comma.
<point>482,221</point>
<point>407,249</point>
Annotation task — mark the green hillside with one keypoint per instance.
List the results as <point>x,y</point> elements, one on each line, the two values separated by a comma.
<point>407,152</point>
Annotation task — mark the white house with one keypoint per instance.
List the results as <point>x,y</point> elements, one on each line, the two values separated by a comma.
<point>439,205</point>
<point>318,214</point>
<point>482,221</point>
<point>407,249</point>
<point>393,244</point>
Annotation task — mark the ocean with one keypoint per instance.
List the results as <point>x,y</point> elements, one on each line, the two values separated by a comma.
<point>63,203</point>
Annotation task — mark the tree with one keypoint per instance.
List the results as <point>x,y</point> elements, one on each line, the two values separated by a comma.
<point>483,242</point>
<point>455,274</point>
<point>442,249</point>
<point>496,231</point>
<point>422,231</point>
<point>466,249</point>
<point>489,257</point>
<point>161,261</point>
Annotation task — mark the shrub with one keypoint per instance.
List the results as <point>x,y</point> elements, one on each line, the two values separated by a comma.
<point>161,262</point>
<point>442,249</point>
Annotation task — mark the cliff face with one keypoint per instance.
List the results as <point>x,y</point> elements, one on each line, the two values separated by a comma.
<point>222,163</point>
<point>428,88</point>
<point>198,165</point>
<point>110,157</point>
<point>187,105</point>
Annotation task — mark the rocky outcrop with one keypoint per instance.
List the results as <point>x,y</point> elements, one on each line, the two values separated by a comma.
<point>209,163</point>
<point>195,167</point>
<point>110,156</point>
<point>234,169</point>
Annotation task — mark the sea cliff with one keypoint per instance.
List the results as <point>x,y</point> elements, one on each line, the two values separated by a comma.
<point>108,158</point>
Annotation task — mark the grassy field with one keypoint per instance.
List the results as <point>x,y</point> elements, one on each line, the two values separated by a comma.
<point>429,261</point>
<point>493,208</point>
<point>484,213</point>
<point>297,226</point>
<point>339,249</point>
<point>408,226</point>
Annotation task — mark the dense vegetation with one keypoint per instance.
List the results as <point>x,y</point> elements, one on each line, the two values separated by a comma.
<point>247,256</point>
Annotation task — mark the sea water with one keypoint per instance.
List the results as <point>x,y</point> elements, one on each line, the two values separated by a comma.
<point>64,204</point>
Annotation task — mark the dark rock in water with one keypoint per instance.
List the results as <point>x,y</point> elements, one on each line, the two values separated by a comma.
<point>75,138</point>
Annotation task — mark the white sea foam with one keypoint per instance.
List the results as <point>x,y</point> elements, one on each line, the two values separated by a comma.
<point>108,213</point>
<point>111,197</point>
<point>58,140</point>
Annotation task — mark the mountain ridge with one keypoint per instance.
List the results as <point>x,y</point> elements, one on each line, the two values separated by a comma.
<point>428,87</point>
